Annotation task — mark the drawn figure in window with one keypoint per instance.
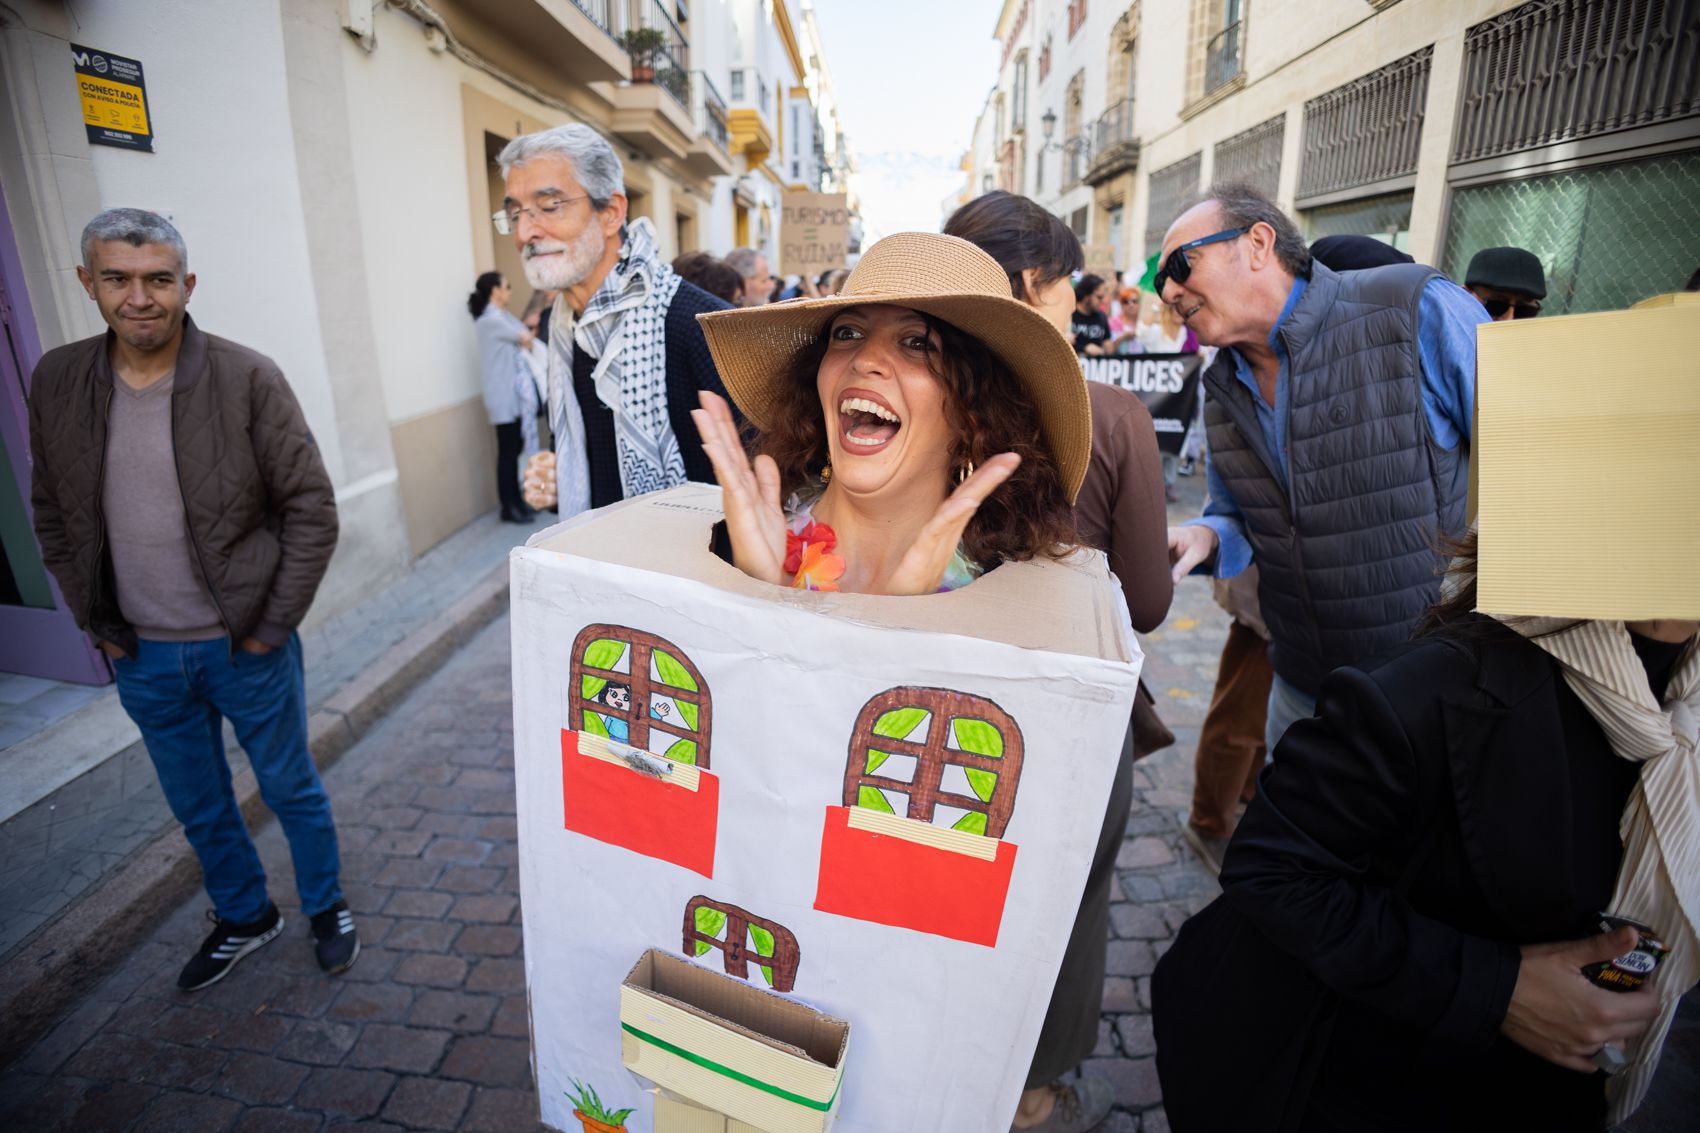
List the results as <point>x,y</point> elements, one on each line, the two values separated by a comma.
<point>742,939</point>
<point>962,755</point>
<point>641,690</point>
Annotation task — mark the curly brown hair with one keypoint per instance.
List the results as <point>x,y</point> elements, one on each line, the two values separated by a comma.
<point>1029,515</point>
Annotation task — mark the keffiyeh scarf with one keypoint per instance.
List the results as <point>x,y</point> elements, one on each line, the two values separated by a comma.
<point>624,329</point>
<point>1658,883</point>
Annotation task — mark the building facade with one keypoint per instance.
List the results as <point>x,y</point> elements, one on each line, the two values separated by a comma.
<point>1568,127</point>
<point>331,166</point>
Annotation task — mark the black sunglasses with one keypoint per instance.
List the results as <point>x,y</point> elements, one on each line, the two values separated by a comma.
<point>1496,308</point>
<point>1177,267</point>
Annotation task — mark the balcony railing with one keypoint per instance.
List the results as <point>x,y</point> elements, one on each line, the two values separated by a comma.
<point>1222,58</point>
<point>1114,149</point>
<point>605,14</point>
<point>710,111</point>
<point>673,61</point>
<point>1077,158</point>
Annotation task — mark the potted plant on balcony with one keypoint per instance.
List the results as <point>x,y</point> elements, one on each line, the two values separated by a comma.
<point>643,45</point>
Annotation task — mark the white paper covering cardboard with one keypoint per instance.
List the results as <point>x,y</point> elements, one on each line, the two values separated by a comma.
<point>687,740</point>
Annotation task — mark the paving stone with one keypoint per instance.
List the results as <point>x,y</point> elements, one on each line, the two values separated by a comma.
<point>1106,1047</point>
<point>38,1102</point>
<point>318,1042</point>
<point>489,1061</point>
<point>278,1121</point>
<point>1136,1037</point>
<point>364,898</point>
<point>368,1003</point>
<point>1129,958</point>
<point>453,1010</point>
<point>395,817</point>
<point>501,976</point>
<point>1140,853</point>
<point>432,970</point>
<point>175,1111</point>
<point>259,1081</point>
<point>427,1103</point>
<point>501,828</point>
<point>306,998</point>
<point>469,879</point>
<point>513,1018</point>
<point>1133,1079</point>
<point>1154,1121</point>
<point>487,908</point>
<point>111,1105</point>
<point>184,1067</point>
<point>458,850</point>
<point>375,963</point>
<point>400,843</point>
<point>409,873</point>
<point>417,935</point>
<point>489,940</point>
<point>1119,995</point>
<point>358,1093</point>
<point>1138,922</point>
<point>501,1111</point>
<point>411,1050</point>
<point>1119,1121</point>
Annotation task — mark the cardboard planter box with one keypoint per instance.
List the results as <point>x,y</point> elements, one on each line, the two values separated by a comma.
<point>731,1048</point>
<point>809,814</point>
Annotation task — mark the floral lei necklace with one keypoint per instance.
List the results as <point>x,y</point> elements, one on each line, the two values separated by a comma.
<point>812,565</point>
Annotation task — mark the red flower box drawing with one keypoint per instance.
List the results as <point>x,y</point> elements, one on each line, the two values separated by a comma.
<point>900,869</point>
<point>634,772</point>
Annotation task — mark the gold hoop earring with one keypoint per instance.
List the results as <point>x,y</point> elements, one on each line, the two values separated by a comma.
<point>964,472</point>
<point>826,474</point>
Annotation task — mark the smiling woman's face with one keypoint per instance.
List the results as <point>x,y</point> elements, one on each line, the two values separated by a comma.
<point>884,408</point>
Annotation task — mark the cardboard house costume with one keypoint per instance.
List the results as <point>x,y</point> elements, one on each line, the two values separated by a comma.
<point>794,860</point>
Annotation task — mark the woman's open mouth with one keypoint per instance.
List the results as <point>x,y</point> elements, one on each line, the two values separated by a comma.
<point>866,423</point>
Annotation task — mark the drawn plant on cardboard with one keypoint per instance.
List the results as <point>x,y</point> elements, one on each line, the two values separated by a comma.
<point>640,690</point>
<point>929,787</point>
<point>590,1111</point>
<point>635,747</point>
<point>742,939</point>
<point>962,753</point>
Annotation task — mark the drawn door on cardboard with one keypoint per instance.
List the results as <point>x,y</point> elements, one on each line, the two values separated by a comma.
<point>635,748</point>
<point>750,947</point>
<point>929,788</point>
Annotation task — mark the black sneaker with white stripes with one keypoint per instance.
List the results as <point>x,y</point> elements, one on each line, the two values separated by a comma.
<point>337,944</point>
<point>227,943</point>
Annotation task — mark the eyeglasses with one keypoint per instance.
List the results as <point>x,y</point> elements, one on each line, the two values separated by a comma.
<point>1496,308</point>
<point>506,220</point>
<point>1177,267</point>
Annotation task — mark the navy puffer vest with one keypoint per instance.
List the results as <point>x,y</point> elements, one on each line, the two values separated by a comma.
<point>1348,558</point>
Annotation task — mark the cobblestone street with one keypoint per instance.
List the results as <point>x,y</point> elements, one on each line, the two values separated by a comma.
<point>429,1029</point>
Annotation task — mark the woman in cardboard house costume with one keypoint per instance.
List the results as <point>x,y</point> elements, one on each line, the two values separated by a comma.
<point>916,430</point>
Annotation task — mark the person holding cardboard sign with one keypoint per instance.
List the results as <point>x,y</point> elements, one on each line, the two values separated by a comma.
<point>891,417</point>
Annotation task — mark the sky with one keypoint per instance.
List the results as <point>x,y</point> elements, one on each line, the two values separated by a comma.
<point>911,75</point>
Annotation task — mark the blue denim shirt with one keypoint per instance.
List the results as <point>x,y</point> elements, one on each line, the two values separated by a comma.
<point>1446,351</point>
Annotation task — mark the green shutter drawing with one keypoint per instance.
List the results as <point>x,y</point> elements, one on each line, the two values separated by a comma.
<point>641,690</point>
<point>742,938</point>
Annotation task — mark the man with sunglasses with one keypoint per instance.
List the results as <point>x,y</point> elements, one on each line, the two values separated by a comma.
<point>1338,414</point>
<point>1508,281</point>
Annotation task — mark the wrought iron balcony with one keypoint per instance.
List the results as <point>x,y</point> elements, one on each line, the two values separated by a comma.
<point>673,60</point>
<point>1077,158</point>
<point>1222,59</point>
<point>710,111</point>
<point>1114,148</point>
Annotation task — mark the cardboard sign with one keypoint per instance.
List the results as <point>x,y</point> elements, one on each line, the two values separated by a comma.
<point>1166,383</point>
<point>114,97</point>
<point>757,823</point>
<point>814,233</point>
<point>1583,467</point>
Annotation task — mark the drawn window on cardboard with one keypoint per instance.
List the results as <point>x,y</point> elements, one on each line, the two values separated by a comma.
<point>940,754</point>
<point>743,939</point>
<point>640,690</point>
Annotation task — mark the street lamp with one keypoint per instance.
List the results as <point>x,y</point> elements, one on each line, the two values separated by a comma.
<point>1048,124</point>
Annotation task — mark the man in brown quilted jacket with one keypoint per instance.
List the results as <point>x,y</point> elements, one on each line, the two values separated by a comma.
<point>182,505</point>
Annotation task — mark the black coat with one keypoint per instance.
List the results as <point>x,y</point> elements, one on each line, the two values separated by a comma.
<point>1447,805</point>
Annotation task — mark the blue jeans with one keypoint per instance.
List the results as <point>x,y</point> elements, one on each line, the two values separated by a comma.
<point>1287,705</point>
<point>179,693</point>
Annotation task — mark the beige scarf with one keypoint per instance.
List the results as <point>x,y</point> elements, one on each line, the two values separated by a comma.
<point>1659,881</point>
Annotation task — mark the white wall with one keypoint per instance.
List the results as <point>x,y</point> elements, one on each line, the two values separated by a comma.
<point>223,168</point>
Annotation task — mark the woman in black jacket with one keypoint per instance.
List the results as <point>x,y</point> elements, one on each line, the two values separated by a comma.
<point>1410,899</point>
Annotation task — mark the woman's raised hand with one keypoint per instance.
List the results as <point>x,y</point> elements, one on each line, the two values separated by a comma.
<point>755,517</point>
<point>923,567</point>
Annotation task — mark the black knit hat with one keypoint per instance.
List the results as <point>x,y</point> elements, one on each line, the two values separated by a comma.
<point>1507,269</point>
<point>1354,253</point>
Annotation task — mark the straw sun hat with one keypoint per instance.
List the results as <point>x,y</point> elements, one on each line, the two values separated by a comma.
<point>756,348</point>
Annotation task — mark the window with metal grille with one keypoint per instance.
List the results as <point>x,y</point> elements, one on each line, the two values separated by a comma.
<point>1253,156</point>
<point>1367,130</point>
<point>1387,218</point>
<point>961,752</point>
<point>1555,71</point>
<point>1607,236</point>
<point>1169,189</point>
<point>742,939</point>
<point>641,690</point>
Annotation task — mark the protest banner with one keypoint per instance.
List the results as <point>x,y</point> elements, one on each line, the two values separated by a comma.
<point>1166,383</point>
<point>791,857</point>
<point>814,233</point>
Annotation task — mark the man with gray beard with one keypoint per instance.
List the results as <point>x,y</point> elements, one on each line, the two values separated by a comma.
<point>626,357</point>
